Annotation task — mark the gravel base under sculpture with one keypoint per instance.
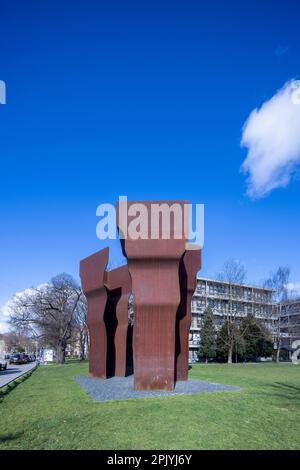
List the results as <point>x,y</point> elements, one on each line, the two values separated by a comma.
<point>121,388</point>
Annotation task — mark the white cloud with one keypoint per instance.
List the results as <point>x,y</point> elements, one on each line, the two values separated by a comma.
<point>272,136</point>
<point>4,327</point>
<point>4,317</point>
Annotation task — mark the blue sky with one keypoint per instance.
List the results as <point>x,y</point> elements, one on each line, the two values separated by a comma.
<point>144,99</point>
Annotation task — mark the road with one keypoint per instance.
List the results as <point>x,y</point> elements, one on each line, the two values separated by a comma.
<point>13,372</point>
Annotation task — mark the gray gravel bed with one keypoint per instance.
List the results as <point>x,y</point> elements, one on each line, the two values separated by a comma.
<point>121,388</point>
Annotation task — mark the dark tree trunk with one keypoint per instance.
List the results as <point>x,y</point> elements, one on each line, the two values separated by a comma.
<point>83,342</point>
<point>82,350</point>
<point>60,353</point>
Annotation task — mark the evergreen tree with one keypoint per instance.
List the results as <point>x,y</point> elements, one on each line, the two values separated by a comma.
<point>256,339</point>
<point>207,348</point>
<point>251,339</point>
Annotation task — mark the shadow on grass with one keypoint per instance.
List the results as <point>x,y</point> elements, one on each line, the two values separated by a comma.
<point>282,390</point>
<point>75,361</point>
<point>11,436</point>
<point>290,391</point>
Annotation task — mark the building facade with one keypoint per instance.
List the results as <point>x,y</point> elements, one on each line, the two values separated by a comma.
<point>221,296</point>
<point>289,314</point>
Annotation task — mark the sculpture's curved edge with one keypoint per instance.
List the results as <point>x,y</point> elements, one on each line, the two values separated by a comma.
<point>190,264</point>
<point>92,272</point>
<point>118,286</point>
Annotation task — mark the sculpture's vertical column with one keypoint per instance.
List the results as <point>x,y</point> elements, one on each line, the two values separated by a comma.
<point>118,285</point>
<point>92,271</point>
<point>190,264</point>
<point>153,264</point>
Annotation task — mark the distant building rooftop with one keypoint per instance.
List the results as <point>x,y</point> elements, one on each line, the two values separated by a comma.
<point>291,301</point>
<point>201,278</point>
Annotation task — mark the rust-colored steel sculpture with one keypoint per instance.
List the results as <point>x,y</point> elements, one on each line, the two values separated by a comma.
<point>118,285</point>
<point>190,264</point>
<point>154,266</point>
<point>92,274</point>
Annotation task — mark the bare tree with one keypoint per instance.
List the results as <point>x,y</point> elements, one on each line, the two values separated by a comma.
<point>80,329</point>
<point>49,311</point>
<point>19,340</point>
<point>233,273</point>
<point>279,283</point>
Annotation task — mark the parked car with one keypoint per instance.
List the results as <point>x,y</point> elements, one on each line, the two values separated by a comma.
<point>19,358</point>
<point>30,357</point>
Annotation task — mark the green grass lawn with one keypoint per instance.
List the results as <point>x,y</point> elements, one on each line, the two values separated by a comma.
<point>50,411</point>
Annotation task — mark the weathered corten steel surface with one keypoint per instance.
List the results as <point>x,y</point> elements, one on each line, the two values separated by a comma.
<point>154,266</point>
<point>190,264</point>
<point>92,273</point>
<point>118,285</point>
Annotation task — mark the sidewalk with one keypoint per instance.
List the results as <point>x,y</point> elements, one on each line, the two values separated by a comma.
<point>13,372</point>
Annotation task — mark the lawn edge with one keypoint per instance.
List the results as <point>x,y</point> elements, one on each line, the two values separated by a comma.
<point>6,389</point>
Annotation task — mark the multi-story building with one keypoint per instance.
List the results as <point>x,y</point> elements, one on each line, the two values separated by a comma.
<point>289,314</point>
<point>224,297</point>
<point>240,300</point>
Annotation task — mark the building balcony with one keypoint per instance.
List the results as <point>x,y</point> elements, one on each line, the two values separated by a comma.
<point>234,298</point>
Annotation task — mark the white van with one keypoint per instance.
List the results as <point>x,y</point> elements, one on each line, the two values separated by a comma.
<point>3,361</point>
